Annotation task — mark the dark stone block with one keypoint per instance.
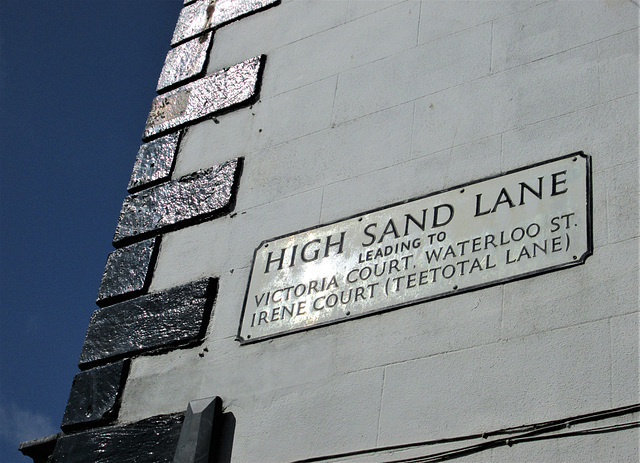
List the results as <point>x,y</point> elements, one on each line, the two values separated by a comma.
<point>200,431</point>
<point>40,449</point>
<point>154,162</point>
<point>172,205</point>
<point>204,15</point>
<point>158,321</point>
<point>206,96</point>
<point>95,396</point>
<point>185,62</point>
<point>127,272</point>
<point>152,440</point>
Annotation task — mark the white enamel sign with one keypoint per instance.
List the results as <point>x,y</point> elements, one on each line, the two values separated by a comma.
<point>525,222</point>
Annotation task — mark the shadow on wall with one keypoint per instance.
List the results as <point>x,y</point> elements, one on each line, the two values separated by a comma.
<point>225,445</point>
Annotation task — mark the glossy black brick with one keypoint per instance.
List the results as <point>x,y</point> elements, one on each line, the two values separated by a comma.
<point>204,97</point>
<point>127,272</point>
<point>95,396</point>
<point>204,15</point>
<point>152,440</point>
<point>154,162</point>
<point>175,204</point>
<point>156,321</point>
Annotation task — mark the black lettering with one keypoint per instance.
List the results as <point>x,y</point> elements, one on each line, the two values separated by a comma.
<point>555,182</point>
<point>503,198</point>
<point>330,244</point>
<point>371,235</point>
<point>303,255</point>
<point>537,194</point>
<point>271,261</point>
<point>388,230</point>
<point>420,225</point>
<point>436,212</point>
<point>478,213</point>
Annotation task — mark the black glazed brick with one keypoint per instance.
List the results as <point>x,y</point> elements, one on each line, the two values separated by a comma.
<point>127,272</point>
<point>171,205</point>
<point>204,15</point>
<point>158,321</point>
<point>154,162</point>
<point>153,440</point>
<point>95,396</point>
<point>220,91</point>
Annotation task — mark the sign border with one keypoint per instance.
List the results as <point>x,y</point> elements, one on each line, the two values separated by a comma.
<point>581,260</point>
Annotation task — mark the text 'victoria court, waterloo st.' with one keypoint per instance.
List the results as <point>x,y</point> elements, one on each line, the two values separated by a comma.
<point>522,223</point>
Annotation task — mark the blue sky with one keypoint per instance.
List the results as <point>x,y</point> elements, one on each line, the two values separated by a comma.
<point>76,82</point>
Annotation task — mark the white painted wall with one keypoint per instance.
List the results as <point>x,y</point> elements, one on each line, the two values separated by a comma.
<point>365,103</point>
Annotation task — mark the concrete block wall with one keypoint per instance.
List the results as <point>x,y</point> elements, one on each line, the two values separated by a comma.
<point>366,103</point>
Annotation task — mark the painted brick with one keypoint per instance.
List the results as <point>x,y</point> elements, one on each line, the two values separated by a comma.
<point>311,407</point>
<point>344,47</point>
<point>439,19</point>
<point>418,177</point>
<point>605,285</point>
<point>600,210</point>
<point>417,331</point>
<point>205,15</point>
<point>509,100</point>
<point>623,217</point>
<point>127,272</point>
<point>360,146</point>
<point>185,62</point>
<point>618,63</point>
<point>359,8</point>
<point>152,440</point>
<point>625,374</point>
<point>414,73</point>
<point>227,87</point>
<point>178,203</point>
<point>294,20</point>
<point>607,131</point>
<point>261,126</point>
<point>550,376</point>
<point>154,162</point>
<point>346,424</point>
<point>542,31</point>
<point>94,397</point>
<point>618,446</point>
<point>166,319</point>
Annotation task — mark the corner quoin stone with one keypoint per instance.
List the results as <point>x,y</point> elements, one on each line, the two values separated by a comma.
<point>175,204</point>
<point>154,162</point>
<point>126,273</point>
<point>94,396</point>
<point>184,62</point>
<point>157,321</point>
<point>205,15</point>
<point>152,440</point>
<point>196,100</point>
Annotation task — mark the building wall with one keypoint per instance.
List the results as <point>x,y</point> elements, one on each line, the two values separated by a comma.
<point>367,103</point>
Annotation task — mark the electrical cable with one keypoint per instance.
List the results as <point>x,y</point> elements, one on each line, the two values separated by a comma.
<point>526,433</point>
